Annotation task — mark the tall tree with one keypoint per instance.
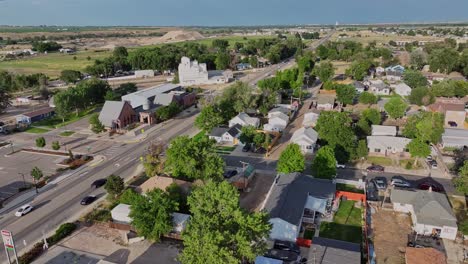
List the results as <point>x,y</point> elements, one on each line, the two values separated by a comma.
<point>219,230</point>
<point>373,116</point>
<point>414,79</point>
<point>396,107</point>
<point>324,71</point>
<point>114,185</point>
<point>291,160</point>
<point>222,60</point>
<point>362,151</point>
<point>428,125</point>
<point>5,98</point>
<point>194,159</point>
<point>96,125</point>
<point>444,60</point>
<point>418,148</point>
<point>208,118</point>
<point>367,98</point>
<point>421,96</point>
<point>70,76</point>
<point>359,69</point>
<point>461,182</point>
<point>345,94</point>
<point>324,163</point>
<point>418,58</point>
<point>152,214</point>
<point>153,160</point>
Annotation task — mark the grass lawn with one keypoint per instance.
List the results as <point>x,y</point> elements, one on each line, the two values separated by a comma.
<point>348,188</point>
<point>380,161</point>
<point>56,122</point>
<point>36,130</point>
<point>199,136</point>
<point>409,164</point>
<point>67,133</point>
<point>346,224</point>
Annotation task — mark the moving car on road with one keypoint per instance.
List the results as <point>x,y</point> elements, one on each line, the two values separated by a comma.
<point>399,181</point>
<point>375,168</point>
<point>24,210</point>
<point>88,199</point>
<point>98,183</point>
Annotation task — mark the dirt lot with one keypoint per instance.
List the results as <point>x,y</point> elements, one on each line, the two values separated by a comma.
<point>390,236</point>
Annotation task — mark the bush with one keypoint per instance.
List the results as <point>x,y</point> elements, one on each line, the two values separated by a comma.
<point>99,215</point>
<point>40,142</point>
<point>63,231</point>
<point>409,165</point>
<point>55,145</point>
<point>32,254</point>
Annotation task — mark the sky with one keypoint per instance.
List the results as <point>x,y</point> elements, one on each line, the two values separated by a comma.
<point>227,13</point>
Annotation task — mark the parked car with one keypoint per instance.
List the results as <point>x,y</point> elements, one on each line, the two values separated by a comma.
<point>452,123</point>
<point>260,150</point>
<point>375,168</point>
<point>401,182</point>
<point>230,173</point>
<point>429,158</point>
<point>287,245</point>
<point>433,164</point>
<point>24,210</point>
<point>98,183</point>
<point>340,166</point>
<point>427,184</point>
<point>246,148</point>
<point>284,255</point>
<point>380,182</point>
<point>88,199</point>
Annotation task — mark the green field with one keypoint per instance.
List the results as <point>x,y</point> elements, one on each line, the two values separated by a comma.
<point>380,161</point>
<point>346,225</point>
<point>66,133</point>
<point>36,130</point>
<point>53,63</point>
<point>56,121</point>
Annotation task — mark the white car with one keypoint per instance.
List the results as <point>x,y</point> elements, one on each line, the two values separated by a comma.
<point>24,210</point>
<point>340,166</point>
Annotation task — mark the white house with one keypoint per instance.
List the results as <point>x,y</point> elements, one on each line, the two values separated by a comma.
<point>378,130</point>
<point>402,89</point>
<point>192,73</point>
<point>226,135</point>
<point>306,138</point>
<point>430,211</point>
<point>325,102</point>
<point>310,119</point>
<point>280,110</point>
<point>386,145</point>
<point>276,122</point>
<point>379,70</point>
<point>359,86</point>
<point>378,87</point>
<point>244,119</point>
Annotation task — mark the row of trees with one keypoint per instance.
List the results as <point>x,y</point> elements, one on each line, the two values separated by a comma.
<point>43,46</point>
<point>17,82</point>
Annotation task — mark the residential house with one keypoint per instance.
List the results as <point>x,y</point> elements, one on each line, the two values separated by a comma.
<point>116,115</point>
<point>378,130</point>
<point>243,66</point>
<point>394,73</point>
<point>427,255</point>
<point>387,145</point>
<point>359,86</point>
<point>452,108</point>
<point>431,77</point>
<point>293,200</point>
<point>34,116</point>
<point>193,73</point>
<point>325,102</point>
<point>162,182</point>
<point>378,87</point>
<point>310,119</point>
<point>306,138</point>
<point>226,135</point>
<point>430,211</point>
<point>280,109</point>
<point>277,122</point>
<point>244,119</point>
<point>379,71</point>
<point>455,138</point>
<point>402,89</point>
<point>327,251</point>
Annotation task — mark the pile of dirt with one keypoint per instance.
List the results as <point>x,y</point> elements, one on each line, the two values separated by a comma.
<point>181,35</point>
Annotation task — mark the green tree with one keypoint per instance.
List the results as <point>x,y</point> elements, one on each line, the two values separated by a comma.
<point>193,159</point>
<point>421,96</point>
<point>373,116</point>
<point>367,98</point>
<point>345,94</point>
<point>363,128</point>
<point>418,59</point>
<point>414,79</point>
<point>70,76</point>
<point>362,151</point>
<point>120,52</point>
<point>359,69</point>
<point>259,139</point>
<point>247,134</point>
<point>444,60</point>
<point>291,160</point>
<point>5,98</point>
<point>461,182</point>
<point>96,125</point>
<point>426,125</point>
<point>36,174</point>
<point>153,160</point>
<point>152,214</point>
<point>419,149</point>
<point>324,71</point>
<point>114,185</point>
<point>208,118</point>
<point>40,142</point>
<point>240,97</point>
<point>396,107</point>
<point>222,60</point>
<point>55,145</point>
<point>324,163</point>
<point>221,44</point>
<point>464,62</point>
<point>219,230</point>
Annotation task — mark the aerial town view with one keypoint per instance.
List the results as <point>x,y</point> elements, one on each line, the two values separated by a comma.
<point>233,132</point>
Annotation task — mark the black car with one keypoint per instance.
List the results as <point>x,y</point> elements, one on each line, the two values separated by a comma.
<point>229,174</point>
<point>246,148</point>
<point>284,255</point>
<point>452,124</point>
<point>375,168</point>
<point>287,246</point>
<point>87,200</point>
<point>98,183</point>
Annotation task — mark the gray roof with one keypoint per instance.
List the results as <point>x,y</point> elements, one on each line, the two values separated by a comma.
<point>218,131</point>
<point>110,112</point>
<point>327,251</point>
<point>235,130</point>
<point>164,99</point>
<point>385,142</point>
<point>147,96</point>
<point>325,99</point>
<point>455,137</point>
<point>430,208</point>
<point>289,195</point>
<point>359,85</point>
